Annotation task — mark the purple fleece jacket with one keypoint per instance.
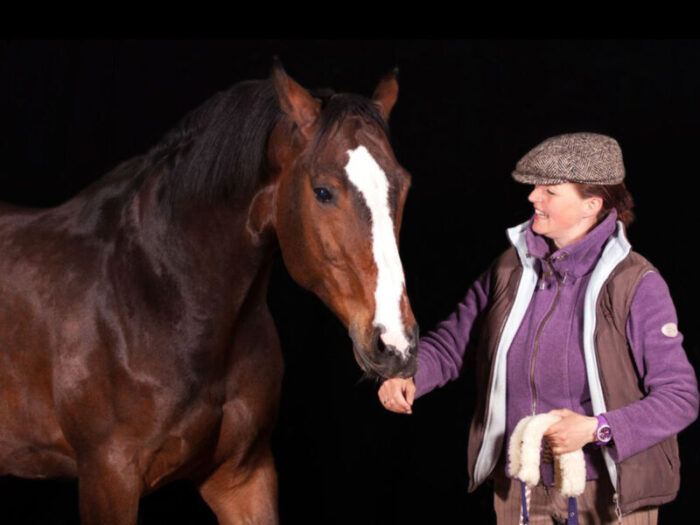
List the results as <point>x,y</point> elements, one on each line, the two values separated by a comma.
<point>559,379</point>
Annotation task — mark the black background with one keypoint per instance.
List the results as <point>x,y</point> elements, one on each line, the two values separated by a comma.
<point>467,111</point>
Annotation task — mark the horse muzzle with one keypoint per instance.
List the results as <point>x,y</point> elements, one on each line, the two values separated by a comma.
<point>386,361</point>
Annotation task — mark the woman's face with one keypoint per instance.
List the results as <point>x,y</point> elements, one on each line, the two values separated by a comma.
<point>561,214</point>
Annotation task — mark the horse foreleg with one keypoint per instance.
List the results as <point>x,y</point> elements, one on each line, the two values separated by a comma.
<point>243,494</point>
<point>109,492</point>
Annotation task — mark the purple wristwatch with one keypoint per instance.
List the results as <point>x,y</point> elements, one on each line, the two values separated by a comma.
<point>603,433</point>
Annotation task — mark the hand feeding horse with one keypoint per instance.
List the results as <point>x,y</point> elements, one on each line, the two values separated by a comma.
<point>136,346</point>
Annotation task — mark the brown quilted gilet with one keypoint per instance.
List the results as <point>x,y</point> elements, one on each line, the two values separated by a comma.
<point>649,478</point>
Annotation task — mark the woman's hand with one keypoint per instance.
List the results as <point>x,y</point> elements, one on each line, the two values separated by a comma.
<point>397,394</point>
<point>572,432</point>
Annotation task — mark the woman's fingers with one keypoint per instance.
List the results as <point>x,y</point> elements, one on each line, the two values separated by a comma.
<point>393,395</point>
<point>572,432</point>
<point>386,395</point>
<point>401,404</point>
<point>562,412</point>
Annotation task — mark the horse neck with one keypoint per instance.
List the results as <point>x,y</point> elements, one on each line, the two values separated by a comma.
<point>210,247</point>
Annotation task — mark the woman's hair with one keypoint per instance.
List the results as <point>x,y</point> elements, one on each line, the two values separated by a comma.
<point>613,196</point>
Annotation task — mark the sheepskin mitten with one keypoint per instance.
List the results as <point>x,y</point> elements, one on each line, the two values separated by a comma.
<point>524,452</point>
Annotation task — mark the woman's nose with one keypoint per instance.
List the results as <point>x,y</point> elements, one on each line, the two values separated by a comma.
<point>534,195</point>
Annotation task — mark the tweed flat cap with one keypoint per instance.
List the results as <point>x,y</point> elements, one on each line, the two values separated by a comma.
<point>586,158</point>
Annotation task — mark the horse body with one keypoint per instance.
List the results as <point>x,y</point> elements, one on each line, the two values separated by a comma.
<point>176,389</point>
<point>136,346</point>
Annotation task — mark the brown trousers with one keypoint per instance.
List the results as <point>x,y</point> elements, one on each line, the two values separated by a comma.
<point>548,506</point>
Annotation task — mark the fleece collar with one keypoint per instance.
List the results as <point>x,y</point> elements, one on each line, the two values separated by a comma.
<point>577,259</point>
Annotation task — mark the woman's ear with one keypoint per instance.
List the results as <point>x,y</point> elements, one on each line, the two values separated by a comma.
<point>593,205</point>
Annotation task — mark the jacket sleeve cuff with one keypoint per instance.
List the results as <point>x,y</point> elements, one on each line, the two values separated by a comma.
<point>621,435</point>
<point>420,380</point>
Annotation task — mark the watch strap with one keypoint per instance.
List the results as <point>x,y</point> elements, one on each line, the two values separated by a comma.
<point>603,433</point>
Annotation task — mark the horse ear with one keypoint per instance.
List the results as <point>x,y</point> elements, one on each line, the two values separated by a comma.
<point>386,93</point>
<point>295,101</point>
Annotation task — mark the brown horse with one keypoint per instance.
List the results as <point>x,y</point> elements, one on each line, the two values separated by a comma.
<point>136,346</point>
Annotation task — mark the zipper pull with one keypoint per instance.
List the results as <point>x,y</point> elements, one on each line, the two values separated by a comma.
<point>545,273</point>
<point>618,511</point>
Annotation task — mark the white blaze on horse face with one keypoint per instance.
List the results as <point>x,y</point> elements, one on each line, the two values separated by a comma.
<point>370,180</point>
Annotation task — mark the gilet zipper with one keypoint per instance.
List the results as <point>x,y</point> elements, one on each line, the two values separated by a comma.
<point>548,273</point>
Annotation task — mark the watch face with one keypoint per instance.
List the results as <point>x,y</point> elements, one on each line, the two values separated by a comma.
<point>604,433</point>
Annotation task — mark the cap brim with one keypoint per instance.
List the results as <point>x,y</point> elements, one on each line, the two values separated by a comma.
<point>532,178</point>
<point>536,178</point>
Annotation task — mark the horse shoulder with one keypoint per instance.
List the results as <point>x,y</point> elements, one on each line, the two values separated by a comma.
<point>253,384</point>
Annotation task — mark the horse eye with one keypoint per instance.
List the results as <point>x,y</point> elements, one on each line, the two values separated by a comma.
<point>323,195</point>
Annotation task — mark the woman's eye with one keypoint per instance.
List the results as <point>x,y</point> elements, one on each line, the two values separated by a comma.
<point>551,192</point>
<point>323,194</point>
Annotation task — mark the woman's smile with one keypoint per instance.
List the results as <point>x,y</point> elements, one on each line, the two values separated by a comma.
<point>561,214</point>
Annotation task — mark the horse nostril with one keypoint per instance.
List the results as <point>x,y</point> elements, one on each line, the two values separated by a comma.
<point>381,347</point>
<point>377,343</point>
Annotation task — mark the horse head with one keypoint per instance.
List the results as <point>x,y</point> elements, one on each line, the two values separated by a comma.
<point>336,210</point>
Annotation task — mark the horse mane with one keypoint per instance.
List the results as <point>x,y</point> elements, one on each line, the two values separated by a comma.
<point>218,151</point>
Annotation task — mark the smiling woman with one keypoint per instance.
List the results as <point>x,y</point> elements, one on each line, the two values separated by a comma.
<point>561,214</point>
<point>573,323</point>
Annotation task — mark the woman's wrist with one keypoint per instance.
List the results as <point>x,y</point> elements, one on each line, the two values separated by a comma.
<point>593,422</point>
<point>603,432</point>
